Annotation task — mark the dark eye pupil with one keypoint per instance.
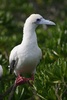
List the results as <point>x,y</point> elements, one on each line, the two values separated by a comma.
<point>38,19</point>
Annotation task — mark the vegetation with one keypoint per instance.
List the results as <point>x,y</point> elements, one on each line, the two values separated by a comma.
<point>51,77</point>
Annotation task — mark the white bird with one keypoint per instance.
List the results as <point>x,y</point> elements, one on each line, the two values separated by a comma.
<point>1,71</point>
<point>26,56</point>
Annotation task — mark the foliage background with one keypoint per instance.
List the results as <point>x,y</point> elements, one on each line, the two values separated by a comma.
<point>51,77</point>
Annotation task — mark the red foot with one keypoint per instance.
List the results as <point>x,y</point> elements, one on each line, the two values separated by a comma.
<point>21,80</point>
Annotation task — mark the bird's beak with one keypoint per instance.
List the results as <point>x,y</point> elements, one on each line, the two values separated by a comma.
<point>46,22</point>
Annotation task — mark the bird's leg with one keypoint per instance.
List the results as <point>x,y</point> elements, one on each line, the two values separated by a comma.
<point>21,80</point>
<point>32,77</point>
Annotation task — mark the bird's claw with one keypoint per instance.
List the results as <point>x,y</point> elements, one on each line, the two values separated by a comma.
<point>21,80</point>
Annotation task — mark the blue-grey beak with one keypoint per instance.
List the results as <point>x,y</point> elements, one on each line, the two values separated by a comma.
<point>46,22</point>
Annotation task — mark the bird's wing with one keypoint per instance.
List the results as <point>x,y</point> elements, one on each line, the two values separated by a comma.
<point>12,66</point>
<point>13,59</point>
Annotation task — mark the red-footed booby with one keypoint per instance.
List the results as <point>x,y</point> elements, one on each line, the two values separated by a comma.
<point>26,56</point>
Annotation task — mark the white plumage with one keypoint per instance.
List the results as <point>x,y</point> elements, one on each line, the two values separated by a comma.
<point>1,71</point>
<point>27,55</point>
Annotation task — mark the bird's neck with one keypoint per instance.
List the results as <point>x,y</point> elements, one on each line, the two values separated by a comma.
<point>29,35</point>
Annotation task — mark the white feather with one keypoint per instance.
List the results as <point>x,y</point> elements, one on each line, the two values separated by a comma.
<point>1,71</point>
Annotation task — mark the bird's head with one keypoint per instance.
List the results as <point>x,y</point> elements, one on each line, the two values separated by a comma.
<point>37,19</point>
<point>34,20</point>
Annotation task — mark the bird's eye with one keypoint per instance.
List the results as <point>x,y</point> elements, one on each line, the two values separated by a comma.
<point>38,20</point>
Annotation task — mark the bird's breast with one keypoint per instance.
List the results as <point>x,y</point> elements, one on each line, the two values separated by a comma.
<point>29,59</point>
